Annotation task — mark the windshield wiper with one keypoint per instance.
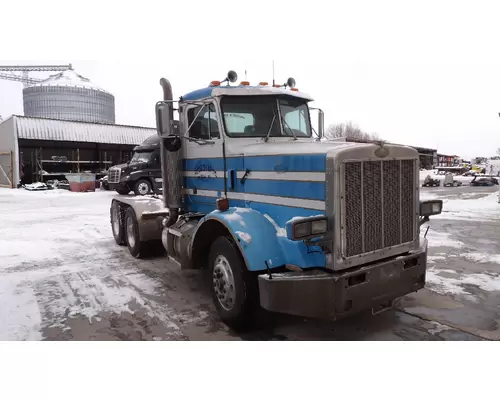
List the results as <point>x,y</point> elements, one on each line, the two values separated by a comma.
<point>291,130</point>
<point>270,128</point>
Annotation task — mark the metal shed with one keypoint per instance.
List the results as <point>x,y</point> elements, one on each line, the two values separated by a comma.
<point>34,149</point>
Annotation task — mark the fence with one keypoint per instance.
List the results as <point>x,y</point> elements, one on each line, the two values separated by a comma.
<point>6,170</point>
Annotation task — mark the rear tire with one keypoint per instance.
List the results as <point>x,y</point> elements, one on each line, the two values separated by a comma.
<point>136,248</point>
<point>116,217</point>
<point>142,187</point>
<point>234,288</point>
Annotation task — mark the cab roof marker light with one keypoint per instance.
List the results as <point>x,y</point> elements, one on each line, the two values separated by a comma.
<point>263,83</point>
<point>215,83</point>
<point>245,83</point>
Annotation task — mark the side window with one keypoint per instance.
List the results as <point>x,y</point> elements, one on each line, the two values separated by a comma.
<point>206,124</point>
<point>156,158</point>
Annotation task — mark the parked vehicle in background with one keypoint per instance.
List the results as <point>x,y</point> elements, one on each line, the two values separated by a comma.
<point>484,181</point>
<point>431,182</point>
<point>142,174</point>
<point>449,181</point>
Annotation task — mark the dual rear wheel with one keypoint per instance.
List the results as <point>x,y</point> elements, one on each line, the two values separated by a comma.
<point>234,288</point>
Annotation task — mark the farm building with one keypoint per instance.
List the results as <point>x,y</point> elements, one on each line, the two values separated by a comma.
<point>38,149</point>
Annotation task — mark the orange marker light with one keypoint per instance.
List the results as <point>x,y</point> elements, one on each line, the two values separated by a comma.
<point>294,89</point>
<point>263,84</point>
<point>245,83</point>
<point>215,83</point>
<point>277,86</point>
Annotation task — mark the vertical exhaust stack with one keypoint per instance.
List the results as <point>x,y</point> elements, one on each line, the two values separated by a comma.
<point>171,162</point>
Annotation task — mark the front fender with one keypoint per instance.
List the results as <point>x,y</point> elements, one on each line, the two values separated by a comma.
<point>260,240</point>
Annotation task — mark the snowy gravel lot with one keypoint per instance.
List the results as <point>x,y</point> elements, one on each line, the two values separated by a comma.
<point>63,278</point>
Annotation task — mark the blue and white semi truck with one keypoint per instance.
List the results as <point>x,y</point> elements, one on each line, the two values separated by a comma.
<point>281,217</point>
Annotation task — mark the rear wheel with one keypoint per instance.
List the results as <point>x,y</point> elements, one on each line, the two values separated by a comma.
<point>142,187</point>
<point>234,288</point>
<point>133,240</point>
<point>117,223</point>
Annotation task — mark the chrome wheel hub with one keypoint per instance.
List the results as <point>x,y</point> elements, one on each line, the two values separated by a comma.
<point>223,282</point>
<point>143,188</point>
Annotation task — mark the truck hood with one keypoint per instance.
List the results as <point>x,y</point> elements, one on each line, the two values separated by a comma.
<point>290,147</point>
<point>120,166</point>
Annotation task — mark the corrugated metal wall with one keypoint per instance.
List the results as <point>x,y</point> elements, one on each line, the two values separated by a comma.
<point>50,129</point>
<point>8,144</point>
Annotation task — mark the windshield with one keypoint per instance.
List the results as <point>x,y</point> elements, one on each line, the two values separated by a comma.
<point>257,116</point>
<point>142,157</point>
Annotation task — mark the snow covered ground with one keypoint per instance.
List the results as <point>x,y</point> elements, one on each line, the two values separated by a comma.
<point>62,277</point>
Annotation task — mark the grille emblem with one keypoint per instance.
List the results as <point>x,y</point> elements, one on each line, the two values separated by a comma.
<point>382,151</point>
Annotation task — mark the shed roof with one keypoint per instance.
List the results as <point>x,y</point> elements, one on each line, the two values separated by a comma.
<point>71,131</point>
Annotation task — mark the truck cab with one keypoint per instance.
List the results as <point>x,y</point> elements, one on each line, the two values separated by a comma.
<point>142,174</point>
<point>282,218</point>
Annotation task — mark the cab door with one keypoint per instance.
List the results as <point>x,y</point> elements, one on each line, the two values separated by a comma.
<point>204,166</point>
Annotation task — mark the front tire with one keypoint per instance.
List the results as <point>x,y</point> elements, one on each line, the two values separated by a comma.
<point>123,190</point>
<point>142,187</point>
<point>234,289</point>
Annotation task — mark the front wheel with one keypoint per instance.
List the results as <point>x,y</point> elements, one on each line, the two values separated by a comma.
<point>123,190</point>
<point>234,289</point>
<point>142,187</point>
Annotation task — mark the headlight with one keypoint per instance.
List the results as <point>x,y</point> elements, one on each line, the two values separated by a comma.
<point>431,207</point>
<point>306,228</point>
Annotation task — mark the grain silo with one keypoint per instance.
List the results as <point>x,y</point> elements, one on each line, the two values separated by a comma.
<point>69,96</point>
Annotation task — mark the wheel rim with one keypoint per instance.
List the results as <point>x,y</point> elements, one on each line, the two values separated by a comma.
<point>130,232</point>
<point>223,282</point>
<point>116,221</point>
<point>143,188</point>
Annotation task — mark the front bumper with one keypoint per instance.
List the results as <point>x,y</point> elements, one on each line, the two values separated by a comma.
<point>335,295</point>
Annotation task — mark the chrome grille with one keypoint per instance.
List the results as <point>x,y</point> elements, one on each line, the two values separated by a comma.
<point>114,175</point>
<point>378,205</point>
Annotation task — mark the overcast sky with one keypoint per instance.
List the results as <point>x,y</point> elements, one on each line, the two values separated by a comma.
<point>416,72</point>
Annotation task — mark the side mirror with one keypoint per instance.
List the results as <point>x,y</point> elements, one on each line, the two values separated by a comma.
<point>172,143</point>
<point>321,123</point>
<point>163,119</point>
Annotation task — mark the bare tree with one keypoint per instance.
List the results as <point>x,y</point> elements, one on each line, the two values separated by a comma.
<point>350,131</point>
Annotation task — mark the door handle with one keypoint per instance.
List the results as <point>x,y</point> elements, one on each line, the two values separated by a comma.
<point>232,178</point>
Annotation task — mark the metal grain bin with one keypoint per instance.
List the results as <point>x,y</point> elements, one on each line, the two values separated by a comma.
<point>69,96</point>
